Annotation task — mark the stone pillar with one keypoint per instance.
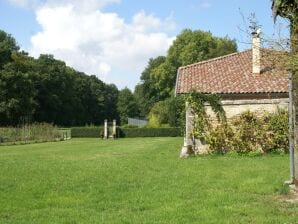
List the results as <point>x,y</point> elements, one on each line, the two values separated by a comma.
<point>187,145</point>
<point>114,128</point>
<point>106,129</point>
<point>189,118</point>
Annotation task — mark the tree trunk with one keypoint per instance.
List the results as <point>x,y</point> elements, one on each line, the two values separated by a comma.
<point>294,48</point>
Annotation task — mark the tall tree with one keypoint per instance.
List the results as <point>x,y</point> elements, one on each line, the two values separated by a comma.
<point>144,92</point>
<point>168,112</point>
<point>110,102</point>
<point>159,77</point>
<point>7,46</point>
<point>289,9</point>
<point>127,106</point>
<point>17,92</point>
<point>49,91</point>
<point>194,46</point>
<point>54,91</point>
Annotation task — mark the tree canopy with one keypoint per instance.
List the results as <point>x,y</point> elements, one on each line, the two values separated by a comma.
<point>159,77</point>
<point>7,46</point>
<point>46,90</point>
<point>127,106</point>
<point>288,9</point>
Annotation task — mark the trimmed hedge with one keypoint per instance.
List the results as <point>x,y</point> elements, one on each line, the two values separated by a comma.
<point>35,132</point>
<point>97,132</point>
<point>149,132</point>
<point>86,132</point>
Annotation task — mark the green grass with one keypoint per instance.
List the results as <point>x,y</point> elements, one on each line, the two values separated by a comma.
<point>137,181</point>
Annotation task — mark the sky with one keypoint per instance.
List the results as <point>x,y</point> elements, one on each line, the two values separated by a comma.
<point>114,39</point>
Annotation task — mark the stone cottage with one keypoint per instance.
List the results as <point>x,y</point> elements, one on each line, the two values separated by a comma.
<point>255,80</point>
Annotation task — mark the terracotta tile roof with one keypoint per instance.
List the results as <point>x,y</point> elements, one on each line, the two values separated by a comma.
<point>233,74</point>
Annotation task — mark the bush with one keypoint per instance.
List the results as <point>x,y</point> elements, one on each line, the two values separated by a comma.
<point>96,132</point>
<point>87,132</point>
<point>220,139</point>
<point>277,139</point>
<point>168,112</point>
<point>149,132</point>
<point>44,131</point>
<point>130,126</point>
<point>30,133</point>
<point>251,134</point>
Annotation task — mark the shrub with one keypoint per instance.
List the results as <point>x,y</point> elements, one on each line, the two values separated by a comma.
<point>251,134</point>
<point>87,132</point>
<point>277,139</point>
<point>44,131</point>
<point>96,132</point>
<point>220,139</point>
<point>169,112</point>
<point>130,126</point>
<point>30,133</point>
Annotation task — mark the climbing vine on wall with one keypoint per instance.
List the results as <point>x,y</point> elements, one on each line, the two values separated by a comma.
<point>197,102</point>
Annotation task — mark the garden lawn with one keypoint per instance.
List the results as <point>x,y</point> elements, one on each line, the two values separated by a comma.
<point>139,180</point>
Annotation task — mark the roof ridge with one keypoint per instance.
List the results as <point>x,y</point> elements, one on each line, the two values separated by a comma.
<point>214,59</point>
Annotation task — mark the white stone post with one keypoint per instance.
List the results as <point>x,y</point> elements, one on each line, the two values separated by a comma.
<point>187,145</point>
<point>114,128</point>
<point>106,129</point>
<point>189,118</point>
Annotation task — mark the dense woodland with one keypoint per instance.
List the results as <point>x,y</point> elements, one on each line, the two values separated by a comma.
<point>46,90</point>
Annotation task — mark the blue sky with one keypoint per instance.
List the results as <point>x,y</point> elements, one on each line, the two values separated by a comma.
<point>114,39</point>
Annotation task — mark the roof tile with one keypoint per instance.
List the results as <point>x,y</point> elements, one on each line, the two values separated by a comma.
<point>233,74</point>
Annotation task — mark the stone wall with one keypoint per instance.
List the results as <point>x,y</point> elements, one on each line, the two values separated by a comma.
<point>233,108</point>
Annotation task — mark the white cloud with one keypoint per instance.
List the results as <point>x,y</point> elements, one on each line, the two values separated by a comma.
<point>205,5</point>
<point>144,23</point>
<point>100,43</point>
<point>24,3</point>
<point>83,5</point>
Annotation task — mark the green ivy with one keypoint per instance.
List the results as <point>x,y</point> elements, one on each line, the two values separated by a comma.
<point>197,102</point>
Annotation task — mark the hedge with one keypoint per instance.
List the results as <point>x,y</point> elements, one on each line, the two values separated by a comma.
<point>86,132</point>
<point>96,132</point>
<point>149,132</point>
<point>35,132</point>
